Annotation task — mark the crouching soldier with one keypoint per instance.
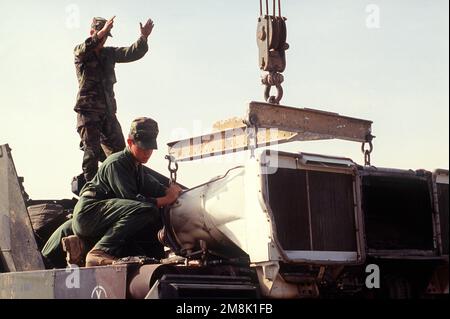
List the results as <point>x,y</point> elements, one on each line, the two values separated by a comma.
<point>121,200</point>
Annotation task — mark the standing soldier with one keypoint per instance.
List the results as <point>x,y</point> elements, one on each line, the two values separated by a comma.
<point>99,129</point>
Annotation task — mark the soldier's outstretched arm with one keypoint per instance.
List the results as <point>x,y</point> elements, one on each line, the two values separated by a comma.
<point>138,49</point>
<point>93,41</point>
<point>88,45</point>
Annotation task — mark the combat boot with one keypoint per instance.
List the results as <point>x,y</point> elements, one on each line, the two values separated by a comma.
<point>97,257</point>
<point>74,248</point>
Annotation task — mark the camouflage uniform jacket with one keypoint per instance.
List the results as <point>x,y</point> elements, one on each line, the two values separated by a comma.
<point>121,177</point>
<point>96,76</point>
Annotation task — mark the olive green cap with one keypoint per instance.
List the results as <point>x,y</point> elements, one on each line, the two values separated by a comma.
<point>98,23</point>
<point>144,132</point>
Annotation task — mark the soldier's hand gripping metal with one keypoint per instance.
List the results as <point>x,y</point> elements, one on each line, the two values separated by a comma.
<point>173,192</point>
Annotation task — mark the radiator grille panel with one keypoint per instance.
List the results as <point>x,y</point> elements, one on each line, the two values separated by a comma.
<point>289,204</point>
<point>332,211</point>
<point>313,210</point>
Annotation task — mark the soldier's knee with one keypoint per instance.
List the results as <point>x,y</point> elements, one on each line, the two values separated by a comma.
<point>147,207</point>
<point>93,151</point>
<point>90,134</point>
<point>149,211</point>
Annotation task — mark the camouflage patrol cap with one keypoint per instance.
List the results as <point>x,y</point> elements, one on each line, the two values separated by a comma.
<point>98,23</point>
<point>144,131</point>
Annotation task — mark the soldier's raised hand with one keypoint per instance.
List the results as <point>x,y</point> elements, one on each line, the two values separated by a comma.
<point>109,24</point>
<point>106,28</point>
<point>147,28</point>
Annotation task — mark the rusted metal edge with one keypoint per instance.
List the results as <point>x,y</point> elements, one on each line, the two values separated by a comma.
<point>305,120</point>
<point>273,124</point>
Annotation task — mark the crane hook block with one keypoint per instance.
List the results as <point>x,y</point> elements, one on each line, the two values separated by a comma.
<point>271,38</point>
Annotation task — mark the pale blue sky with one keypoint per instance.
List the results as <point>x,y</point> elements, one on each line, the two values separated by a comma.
<point>202,67</point>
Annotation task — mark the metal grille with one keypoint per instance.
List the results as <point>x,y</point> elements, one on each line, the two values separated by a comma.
<point>313,210</point>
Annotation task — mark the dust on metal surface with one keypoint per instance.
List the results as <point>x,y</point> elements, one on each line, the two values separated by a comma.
<point>273,124</point>
<point>108,282</point>
<point>19,251</point>
<point>27,285</point>
<point>309,121</point>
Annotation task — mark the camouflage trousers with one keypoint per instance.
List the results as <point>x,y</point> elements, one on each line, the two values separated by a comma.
<point>101,135</point>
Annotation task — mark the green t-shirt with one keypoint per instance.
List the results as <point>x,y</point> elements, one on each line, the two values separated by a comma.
<point>121,177</point>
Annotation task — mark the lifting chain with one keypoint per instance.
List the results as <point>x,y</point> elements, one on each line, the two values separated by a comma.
<point>252,139</point>
<point>367,150</point>
<point>273,79</point>
<point>173,170</point>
